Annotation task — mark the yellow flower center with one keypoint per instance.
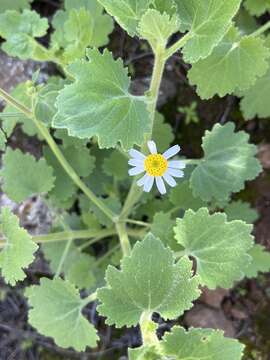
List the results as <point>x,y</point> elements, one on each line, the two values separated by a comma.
<point>155,165</point>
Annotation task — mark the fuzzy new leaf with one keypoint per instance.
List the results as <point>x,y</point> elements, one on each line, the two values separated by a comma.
<point>207,22</point>
<point>156,28</point>
<point>99,103</point>
<point>201,344</point>
<point>24,176</point>
<point>235,64</point>
<point>127,12</point>
<point>19,30</point>
<point>229,160</point>
<point>18,251</point>
<point>219,247</point>
<point>149,281</point>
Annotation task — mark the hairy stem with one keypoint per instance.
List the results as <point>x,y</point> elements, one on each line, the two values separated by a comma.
<point>58,154</point>
<point>178,45</point>
<point>160,60</point>
<point>261,30</point>
<point>123,238</point>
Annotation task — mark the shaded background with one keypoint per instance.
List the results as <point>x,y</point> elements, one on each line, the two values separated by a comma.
<point>243,312</point>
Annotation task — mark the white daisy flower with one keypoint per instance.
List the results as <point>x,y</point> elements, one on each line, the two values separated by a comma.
<point>156,166</point>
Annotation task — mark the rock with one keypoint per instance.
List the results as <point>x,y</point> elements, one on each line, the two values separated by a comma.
<point>264,155</point>
<point>213,298</point>
<point>205,317</point>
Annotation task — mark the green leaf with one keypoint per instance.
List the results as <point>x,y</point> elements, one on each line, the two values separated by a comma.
<point>156,28</point>
<point>99,104</point>
<point>198,344</point>
<point>257,7</point>
<point>69,141</point>
<point>229,160</point>
<point>116,165</point>
<point>253,105</point>
<point>82,162</point>
<point>24,176</point>
<point>18,251</point>
<point>3,140</point>
<point>162,133</point>
<point>162,228</point>
<point>20,31</point>
<point>235,64</point>
<point>127,12</point>
<point>44,108</point>
<point>219,247</point>
<point>14,5</point>
<point>82,25</point>
<point>20,93</point>
<point>149,281</point>
<point>239,210</point>
<point>77,267</point>
<point>260,261</point>
<point>146,352</point>
<point>112,203</point>
<point>207,23</point>
<point>56,312</point>
<point>182,197</point>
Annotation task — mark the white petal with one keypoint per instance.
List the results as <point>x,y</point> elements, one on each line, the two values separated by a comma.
<point>160,185</point>
<point>176,164</point>
<point>171,151</point>
<point>142,180</point>
<point>175,172</point>
<point>136,162</point>
<point>136,170</point>
<point>152,147</point>
<point>148,184</point>
<point>169,179</point>
<point>136,154</point>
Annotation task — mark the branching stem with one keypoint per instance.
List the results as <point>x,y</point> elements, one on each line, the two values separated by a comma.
<point>58,154</point>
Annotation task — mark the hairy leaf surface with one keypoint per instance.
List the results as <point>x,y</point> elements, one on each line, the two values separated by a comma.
<point>56,312</point>
<point>229,160</point>
<point>219,247</point>
<point>207,22</point>
<point>24,176</point>
<point>99,103</point>
<point>149,281</point>
<point>235,64</point>
<point>197,344</point>
<point>18,251</point>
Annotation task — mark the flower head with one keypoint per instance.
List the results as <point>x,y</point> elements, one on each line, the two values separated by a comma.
<point>157,167</point>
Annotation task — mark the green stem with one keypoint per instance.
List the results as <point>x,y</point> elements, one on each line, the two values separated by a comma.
<point>135,192</point>
<point>63,258</point>
<point>123,237</point>
<point>178,45</point>
<point>58,154</point>
<point>105,256</point>
<point>11,115</point>
<point>148,329</point>
<point>92,241</point>
<point>261,30</point>
<point>88,299</point>
<point>192,161</point>
<point>137,222</point>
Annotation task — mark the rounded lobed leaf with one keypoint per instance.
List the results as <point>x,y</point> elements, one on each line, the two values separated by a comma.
<point>229,160</point>
<point>149,280</point>
<point>56,312</point>
<point>219,247</point>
